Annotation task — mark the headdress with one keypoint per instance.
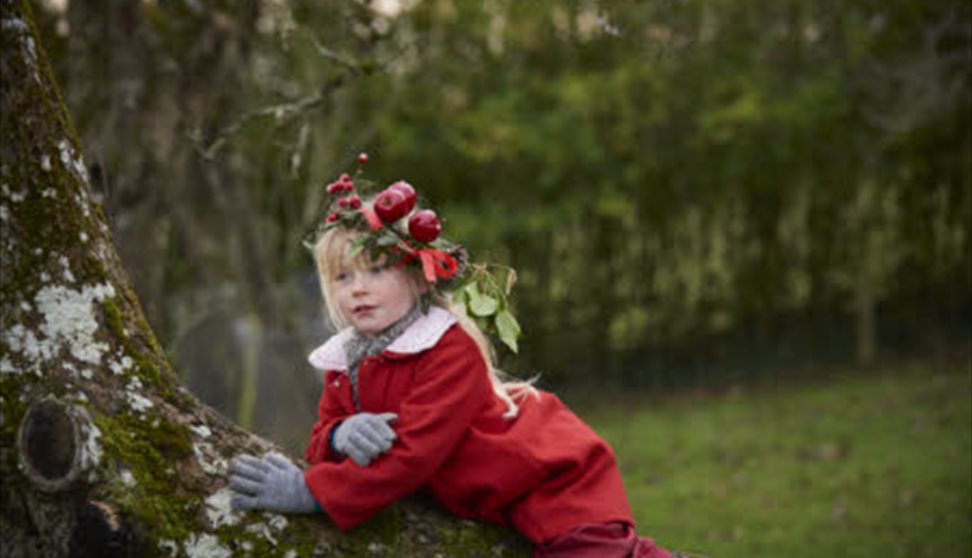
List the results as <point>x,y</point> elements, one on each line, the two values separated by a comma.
<point>391,227</point>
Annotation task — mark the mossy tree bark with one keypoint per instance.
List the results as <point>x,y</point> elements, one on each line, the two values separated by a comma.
<point>103,452</point>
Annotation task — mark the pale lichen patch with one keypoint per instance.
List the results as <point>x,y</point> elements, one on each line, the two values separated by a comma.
<point>219,509</point>
<point>137,402</point>
<point>169,546</point>
<point>263,530</point>
<point>17,24</point>
<point>91,451</point>
<point>208,459</point>
<point>119,366</point>
<point>15,197</point>
<point>277,521</point>
<point>73,162</point>
<point>202,430</point>
<point>66,267</point>
<point>274,522</point>
<point>22,341</point>
<point>205,546</point>
<point>127,478</point>
<point>68,323</point>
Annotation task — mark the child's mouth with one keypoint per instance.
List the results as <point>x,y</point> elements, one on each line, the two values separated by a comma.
<point>364,309</point>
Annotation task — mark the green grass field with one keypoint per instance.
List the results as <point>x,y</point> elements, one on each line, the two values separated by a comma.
<point>855,465</point>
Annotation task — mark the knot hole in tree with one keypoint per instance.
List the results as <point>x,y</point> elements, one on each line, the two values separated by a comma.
<point>50,444</point>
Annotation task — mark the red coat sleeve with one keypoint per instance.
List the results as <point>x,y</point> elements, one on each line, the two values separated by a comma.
<point>330,412</point>
<point>451,386</point>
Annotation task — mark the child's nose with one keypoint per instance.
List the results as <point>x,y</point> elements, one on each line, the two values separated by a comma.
<point>359,283</point>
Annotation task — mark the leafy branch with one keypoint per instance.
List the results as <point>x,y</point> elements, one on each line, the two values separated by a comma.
<point>284,113</point>
<point>485,296</point>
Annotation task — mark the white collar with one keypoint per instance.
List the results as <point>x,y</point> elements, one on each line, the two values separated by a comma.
<point>423,334</point>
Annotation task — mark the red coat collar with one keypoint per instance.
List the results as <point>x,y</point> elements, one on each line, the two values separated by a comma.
<point>423,334</point>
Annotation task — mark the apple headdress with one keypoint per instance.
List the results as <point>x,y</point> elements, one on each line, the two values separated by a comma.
<point>394,229</point>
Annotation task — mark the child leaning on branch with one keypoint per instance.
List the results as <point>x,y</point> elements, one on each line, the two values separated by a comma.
<point>411,400</point>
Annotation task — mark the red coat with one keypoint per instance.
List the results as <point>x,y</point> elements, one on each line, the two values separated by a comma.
<point>544,472</point>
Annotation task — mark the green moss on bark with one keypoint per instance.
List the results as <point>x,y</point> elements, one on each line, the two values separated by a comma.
<point>158,500</point>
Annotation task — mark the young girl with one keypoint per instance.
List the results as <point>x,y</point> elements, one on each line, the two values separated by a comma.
<point>411,401</point>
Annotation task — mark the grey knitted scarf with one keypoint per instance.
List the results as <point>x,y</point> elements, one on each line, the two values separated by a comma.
<point>360,346</point>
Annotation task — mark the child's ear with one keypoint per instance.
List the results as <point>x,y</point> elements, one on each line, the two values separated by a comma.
<point>422,287</point>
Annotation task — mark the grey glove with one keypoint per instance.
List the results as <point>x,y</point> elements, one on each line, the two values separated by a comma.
<point>365,436</point>
<point>272,484</point>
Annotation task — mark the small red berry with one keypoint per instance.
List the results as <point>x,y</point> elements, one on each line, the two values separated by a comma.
<point>406,189</point>
<point>354,202</point>
<point>362,158</point>
<point>348,186</point>
<point>344,178</point>
<point>343,202</point>
<point>333,217</point>
<point>333,188</point>
<point>424,226</point>
<point>390,205</point>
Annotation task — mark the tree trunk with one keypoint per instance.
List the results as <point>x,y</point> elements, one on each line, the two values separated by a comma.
<point>103,452</point>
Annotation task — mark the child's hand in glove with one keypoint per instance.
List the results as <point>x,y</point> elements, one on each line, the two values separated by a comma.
<point>365,436</point>
<point>273,484</point>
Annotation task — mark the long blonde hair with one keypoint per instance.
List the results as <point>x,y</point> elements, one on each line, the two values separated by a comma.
<point>330,252</point>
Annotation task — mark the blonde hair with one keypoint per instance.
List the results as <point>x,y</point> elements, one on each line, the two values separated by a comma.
<point>330,252</point>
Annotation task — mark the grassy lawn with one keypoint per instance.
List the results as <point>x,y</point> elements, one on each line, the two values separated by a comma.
<point>854,466</point>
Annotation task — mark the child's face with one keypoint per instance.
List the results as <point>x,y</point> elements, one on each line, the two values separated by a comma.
<point>372,297</point>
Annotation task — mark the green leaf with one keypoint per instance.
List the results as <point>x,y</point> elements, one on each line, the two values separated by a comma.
<point>385,240</point>
<point>509,329</point>
<point>481,304</point>
<point>458,297</point>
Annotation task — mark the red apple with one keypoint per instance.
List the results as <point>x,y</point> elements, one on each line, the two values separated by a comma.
<point>406,189</point>
<point>391,205</point>
<point>424,226</point>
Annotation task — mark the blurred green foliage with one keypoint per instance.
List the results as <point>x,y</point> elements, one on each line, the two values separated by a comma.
<point>665,173</point>
<point>677,183</point>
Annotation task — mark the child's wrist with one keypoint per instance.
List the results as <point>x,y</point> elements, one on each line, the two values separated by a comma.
<point>330,439</point>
